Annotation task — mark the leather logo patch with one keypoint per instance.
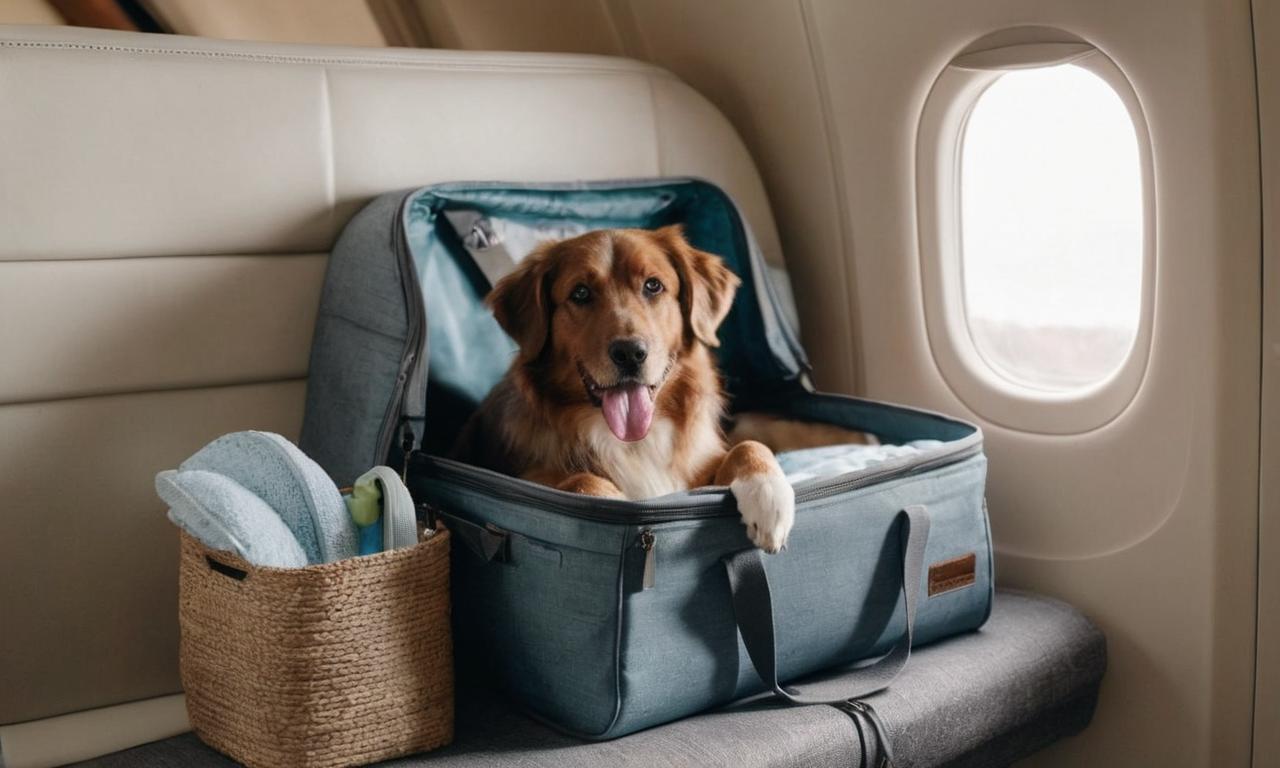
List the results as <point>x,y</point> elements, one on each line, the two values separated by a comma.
<point>956,573</point>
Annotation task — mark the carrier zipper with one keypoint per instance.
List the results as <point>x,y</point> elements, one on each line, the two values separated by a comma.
<point>646,542</point>
<point>709,503</point>
<point>412,371</point>
<point>407,442</point>
<point>393,419</point>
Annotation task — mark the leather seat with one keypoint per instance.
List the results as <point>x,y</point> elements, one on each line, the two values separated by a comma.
<point>168,204</point>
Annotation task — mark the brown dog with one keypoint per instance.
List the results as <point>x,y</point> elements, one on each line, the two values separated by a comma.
<point>614,391</point>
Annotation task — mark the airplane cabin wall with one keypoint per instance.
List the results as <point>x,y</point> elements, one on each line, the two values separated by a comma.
<point>1148,521</point>
<point>756,67</point>
<point>1266,736</point>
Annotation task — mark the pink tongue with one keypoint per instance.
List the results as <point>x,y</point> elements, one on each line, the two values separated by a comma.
<point>628,410</point>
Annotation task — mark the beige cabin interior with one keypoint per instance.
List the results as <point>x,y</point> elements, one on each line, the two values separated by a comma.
<point>162,250</point>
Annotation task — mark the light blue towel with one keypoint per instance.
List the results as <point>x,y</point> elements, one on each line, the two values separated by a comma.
<point>225,515</point>
<point>291,483</point>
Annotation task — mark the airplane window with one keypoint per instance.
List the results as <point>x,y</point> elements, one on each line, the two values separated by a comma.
<point>1051,227</point>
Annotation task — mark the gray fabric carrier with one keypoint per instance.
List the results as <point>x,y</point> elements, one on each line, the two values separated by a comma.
<point>604,617</point>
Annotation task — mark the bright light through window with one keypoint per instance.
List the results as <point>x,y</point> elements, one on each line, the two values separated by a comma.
<point>1051,221</point>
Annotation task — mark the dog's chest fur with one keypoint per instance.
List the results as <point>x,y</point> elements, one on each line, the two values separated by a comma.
<point>652,466</point>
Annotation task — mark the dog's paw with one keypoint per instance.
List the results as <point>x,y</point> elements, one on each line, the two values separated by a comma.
<point>590,485</point>
<point>768,507</point>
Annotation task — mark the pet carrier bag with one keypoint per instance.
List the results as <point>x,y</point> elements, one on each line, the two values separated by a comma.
<point>604,617</point>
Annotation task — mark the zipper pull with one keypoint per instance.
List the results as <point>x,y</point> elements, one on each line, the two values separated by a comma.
<point>407,439</point>
<point>428,516</point>
<point>646,542</point>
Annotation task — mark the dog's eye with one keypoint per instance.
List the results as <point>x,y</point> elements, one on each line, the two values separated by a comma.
<point>653,286</point>
<point>580,294</point>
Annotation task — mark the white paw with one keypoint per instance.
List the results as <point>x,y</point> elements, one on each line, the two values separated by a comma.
<point>768,507</point>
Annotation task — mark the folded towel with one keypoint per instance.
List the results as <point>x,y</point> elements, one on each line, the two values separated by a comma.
<point>300,492</point>
<point>834,460</point>
<point>225,515</point>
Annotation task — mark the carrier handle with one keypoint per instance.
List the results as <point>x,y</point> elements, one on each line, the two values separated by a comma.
<point>753,612</point>
<point>226,570</point>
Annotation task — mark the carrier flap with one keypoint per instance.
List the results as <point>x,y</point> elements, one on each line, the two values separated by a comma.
<point>367,345</point>
<point>464,236</point>
<point>403,329</point>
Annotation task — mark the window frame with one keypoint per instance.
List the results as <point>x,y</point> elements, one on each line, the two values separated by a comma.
<point>991,394</point>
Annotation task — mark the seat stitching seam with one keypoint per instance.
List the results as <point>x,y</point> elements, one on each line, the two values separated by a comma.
<point>621,67</point>
<point>332,162</point>
<point>657,127</point>
<point>107,392</point>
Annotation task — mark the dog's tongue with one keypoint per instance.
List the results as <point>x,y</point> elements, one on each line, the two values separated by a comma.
<point>628,410</point>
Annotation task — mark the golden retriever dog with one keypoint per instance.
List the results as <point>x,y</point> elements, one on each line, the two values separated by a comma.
<point>614,391</point>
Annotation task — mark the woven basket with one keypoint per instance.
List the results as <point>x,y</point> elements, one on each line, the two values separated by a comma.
<point>344,663</point>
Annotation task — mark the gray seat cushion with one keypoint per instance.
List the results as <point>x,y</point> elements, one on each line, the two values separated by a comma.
<point>987,698</point>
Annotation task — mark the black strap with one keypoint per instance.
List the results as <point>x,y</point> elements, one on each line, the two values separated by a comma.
<point>753,611</point>
<point>860,712</point>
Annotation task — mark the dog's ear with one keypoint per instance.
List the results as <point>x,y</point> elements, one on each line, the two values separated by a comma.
<point>521,303</point>
<point>707,286</point>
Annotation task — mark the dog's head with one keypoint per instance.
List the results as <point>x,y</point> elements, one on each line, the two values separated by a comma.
<point>603,318</point>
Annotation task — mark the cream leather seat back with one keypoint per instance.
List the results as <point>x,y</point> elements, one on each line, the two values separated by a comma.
<point>166,208</point>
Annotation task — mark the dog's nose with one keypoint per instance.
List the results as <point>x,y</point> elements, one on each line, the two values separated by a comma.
<point>628,354</point>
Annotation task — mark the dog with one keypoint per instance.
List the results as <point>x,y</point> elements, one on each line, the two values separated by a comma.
<point>614,391</point>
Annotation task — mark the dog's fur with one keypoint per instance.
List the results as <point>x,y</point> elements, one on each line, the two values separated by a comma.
<point>544,420</point>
